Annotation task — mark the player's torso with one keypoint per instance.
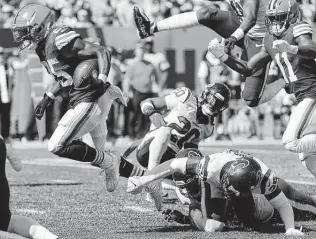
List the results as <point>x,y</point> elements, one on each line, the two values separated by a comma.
<point>259,29</point>
<point>62,68</point>
<point>50,56</point>
<point>299,72</point>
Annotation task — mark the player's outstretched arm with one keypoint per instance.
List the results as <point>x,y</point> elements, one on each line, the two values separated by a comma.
<point>81,48</point>
<point>279,201</point>
<point>152,108</point>
<point>257,62</point>
<point>306,47</point>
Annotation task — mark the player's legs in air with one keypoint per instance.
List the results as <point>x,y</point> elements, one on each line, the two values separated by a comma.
<point>222,22</point>
<point>300,136</point>
<point>86,118</point>
<point>20,225</point>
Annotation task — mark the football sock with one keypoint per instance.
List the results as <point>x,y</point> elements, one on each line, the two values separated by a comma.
<point>168,184</point>
<point>158,147</point>
<point>128,169</point>
<point>183,20</point>
<point>29,228</point>
<point>299,200</point>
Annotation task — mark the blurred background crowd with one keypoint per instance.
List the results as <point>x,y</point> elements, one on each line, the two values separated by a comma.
<point>141,72</point>
<point>87,13</point>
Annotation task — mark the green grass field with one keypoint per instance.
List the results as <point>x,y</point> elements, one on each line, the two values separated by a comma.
<point>70,199</point>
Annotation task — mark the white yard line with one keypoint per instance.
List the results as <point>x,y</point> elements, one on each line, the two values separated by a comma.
<point>62,162</point>
<point>138,209</point>
<point>31,211</point>
<point>301,182</point>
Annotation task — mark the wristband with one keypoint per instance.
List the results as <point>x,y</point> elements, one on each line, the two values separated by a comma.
<point>238,34</point>
<point>50,95</point>
<point>102,77</point>
<point>147,108</point>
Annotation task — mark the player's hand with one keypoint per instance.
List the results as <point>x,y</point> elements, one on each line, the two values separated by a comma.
<point>283,46</point>
<point>173,216</point>
<point>42,105</point>
<point>230,42</point>
<point>293,232</point>
<point>157,120</point>
<point>217,48</point>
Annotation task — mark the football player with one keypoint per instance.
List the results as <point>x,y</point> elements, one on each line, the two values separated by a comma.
<point>62,51</point>
<point>289,43</point>
<point>252,210</point>
<point>233,174</point>
<point>20,225</point>
<point>244,26</point>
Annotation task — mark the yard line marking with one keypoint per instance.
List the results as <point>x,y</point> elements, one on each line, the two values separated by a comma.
<point>61,162</point>
<point>300,182</point>
<point>139,209</point>
<point>31,211</point>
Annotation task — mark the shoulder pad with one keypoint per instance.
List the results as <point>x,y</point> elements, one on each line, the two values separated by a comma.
<point>302,28</point>
<point>64,35</point>
<point>269,182</point>
<point>182,94</point>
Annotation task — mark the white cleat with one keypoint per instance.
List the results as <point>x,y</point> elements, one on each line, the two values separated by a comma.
<point>135,186</point>
<point>154,191</point>
<point>112,174</point>
<point>14,160</point>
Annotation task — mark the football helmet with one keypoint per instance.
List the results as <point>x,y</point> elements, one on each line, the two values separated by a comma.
<point>31,24</point>
<point>189,185</point>
<point>241,176</point>
<point>214,99</point>
<point>280,15</point>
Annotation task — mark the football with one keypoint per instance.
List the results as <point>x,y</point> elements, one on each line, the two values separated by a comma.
<point>86,72</point>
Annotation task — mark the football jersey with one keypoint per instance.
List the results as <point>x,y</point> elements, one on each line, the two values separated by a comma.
<point>298,72</point>
<point>211,166</point>
<point>62,68</point>
<point>182,118</point>
<point>259,29</point>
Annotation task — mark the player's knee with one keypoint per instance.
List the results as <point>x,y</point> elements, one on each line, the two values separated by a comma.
<point>205,15</point>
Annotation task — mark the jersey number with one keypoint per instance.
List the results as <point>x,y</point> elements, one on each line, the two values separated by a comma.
<point>189,134</point>
<point>291,77</point>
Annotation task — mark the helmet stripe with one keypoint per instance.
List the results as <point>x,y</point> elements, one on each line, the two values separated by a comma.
<point>272,4</point>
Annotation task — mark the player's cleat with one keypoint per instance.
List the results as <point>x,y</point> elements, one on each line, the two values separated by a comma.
<point>145,27</point>
<point>112,174</point>
<point>14,160</point>
<point>135,186</point>
<point>154,190</point>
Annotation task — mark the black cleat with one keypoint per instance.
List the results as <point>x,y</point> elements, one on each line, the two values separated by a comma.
<point>145,27</point>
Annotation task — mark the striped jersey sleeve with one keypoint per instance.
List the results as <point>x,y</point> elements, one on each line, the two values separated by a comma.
<point>64,36</point>
<point>302,28</point>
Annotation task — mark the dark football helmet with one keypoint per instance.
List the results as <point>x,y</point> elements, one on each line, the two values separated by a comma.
<point>241,176</point>
<point>214,99</point>
<point>31,24</point>
<point>280,15</point>
<point>189,185</point>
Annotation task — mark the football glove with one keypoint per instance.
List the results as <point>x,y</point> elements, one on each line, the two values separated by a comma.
<point>157,120</point>
<point>283,46</point>
<point>42,105</point>
<point>218,49</point>
<point>230,43</point>
<point>175,216</point>
<point>293,232</point>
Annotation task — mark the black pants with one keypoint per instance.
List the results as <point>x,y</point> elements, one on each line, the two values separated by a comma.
<point>139,123</point>
<point>5,213</point>
<point>5,119</point>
